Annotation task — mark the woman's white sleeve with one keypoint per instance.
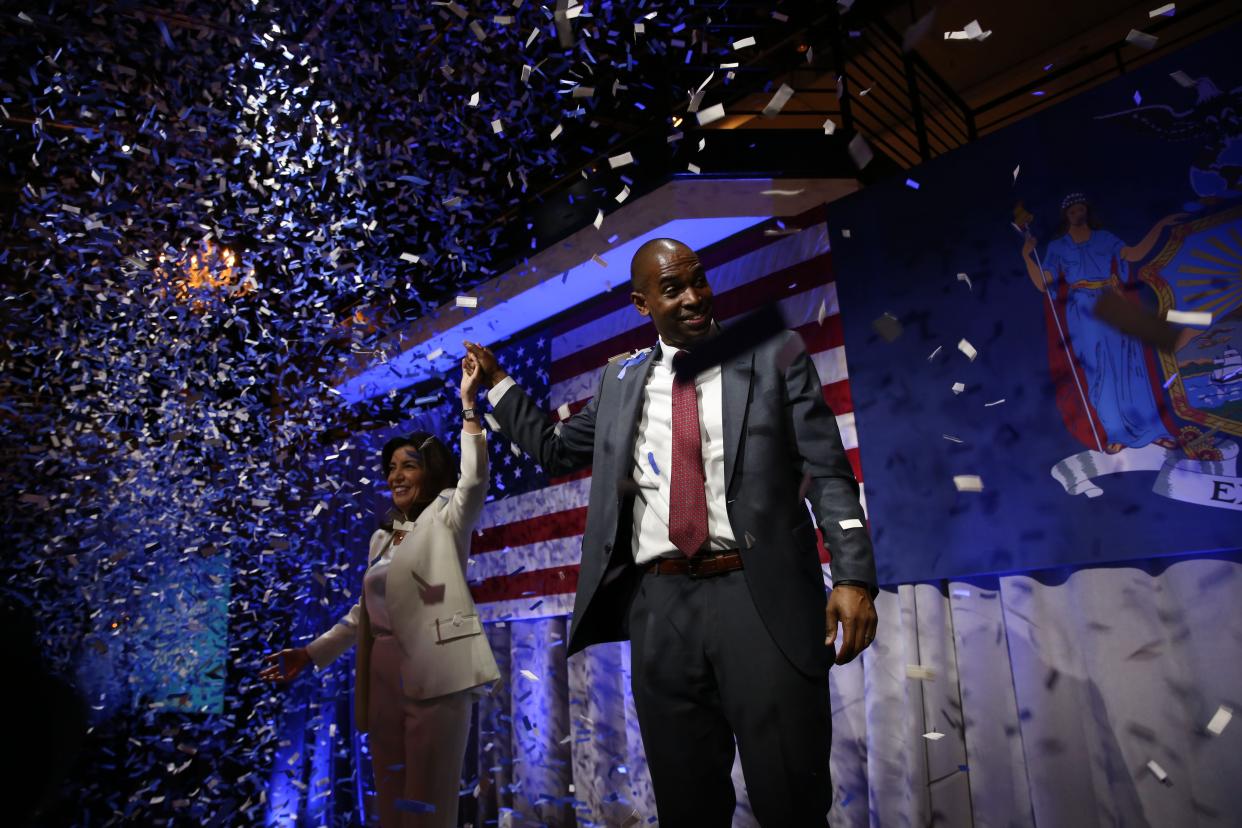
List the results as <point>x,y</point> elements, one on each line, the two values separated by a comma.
<point>326,648</point>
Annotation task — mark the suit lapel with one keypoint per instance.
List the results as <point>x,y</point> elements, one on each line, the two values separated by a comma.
<point>735,377</point>
<point>630,404</point>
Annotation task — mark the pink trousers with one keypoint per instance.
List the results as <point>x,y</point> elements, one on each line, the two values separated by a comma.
<point>417,747</point>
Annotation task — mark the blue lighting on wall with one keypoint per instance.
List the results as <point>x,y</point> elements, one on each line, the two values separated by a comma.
<point>558,293</point>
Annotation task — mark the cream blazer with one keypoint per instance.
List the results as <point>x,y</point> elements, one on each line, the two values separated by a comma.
<point>433,616</point>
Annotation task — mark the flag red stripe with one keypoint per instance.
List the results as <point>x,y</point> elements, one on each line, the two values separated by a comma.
<point>534,584</point>
<point>837,395</point>
<point>528,531</point>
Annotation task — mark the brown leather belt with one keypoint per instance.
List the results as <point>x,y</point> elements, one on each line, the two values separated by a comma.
<point>703,565</point>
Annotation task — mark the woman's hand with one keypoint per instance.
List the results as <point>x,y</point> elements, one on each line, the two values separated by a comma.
<point>1028,245</point>
<point>471,379</point>
<point>488,364</point>
<point>285,665</point>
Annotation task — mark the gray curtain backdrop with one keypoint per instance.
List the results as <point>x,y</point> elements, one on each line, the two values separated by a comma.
<point>1053,692</point>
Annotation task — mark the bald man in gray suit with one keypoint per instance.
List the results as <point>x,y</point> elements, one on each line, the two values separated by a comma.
<point>699,550</point>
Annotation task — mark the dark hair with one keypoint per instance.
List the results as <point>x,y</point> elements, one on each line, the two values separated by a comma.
<point>1092,221</point>
<point>439,464</point>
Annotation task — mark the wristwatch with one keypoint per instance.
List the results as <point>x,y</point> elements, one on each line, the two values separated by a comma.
<point>468,414</point>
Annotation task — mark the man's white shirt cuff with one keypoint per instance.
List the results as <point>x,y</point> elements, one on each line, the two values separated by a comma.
<point>496,392</point>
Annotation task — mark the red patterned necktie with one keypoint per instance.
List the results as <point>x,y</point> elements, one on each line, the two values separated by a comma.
<point>687,500</point>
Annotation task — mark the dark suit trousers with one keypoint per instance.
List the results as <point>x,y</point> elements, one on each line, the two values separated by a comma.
<point>705,671</point>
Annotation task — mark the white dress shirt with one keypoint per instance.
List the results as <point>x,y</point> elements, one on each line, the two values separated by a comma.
<point>655,442</point>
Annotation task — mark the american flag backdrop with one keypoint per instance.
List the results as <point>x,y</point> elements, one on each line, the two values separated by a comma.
<point>526,547</point>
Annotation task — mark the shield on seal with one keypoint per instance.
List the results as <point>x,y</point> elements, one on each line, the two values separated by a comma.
<point>1200,270</point>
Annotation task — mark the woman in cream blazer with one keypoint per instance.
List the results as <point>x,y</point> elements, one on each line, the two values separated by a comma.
<point>422,657</point>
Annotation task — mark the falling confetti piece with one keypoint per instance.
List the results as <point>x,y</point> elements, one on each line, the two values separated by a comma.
<point>528,674</point>
<point>971,31</point>
<point>1220,720</point>
<point>860,152</point>
<point>887,326</point>
<point>711,114</point>
<point>920,672</point>
<point>1141,39</point>
<point>1197,319</point>
<point>562,411</point>
<point>952,439</point>
<point>933,736</point>
<point>1167,9</point>
<point>622,160</point>
<point>959,387</point>
<point>994,402</point>
<point>1156,770</point>
<point>829,127</point>
<point>467,301</point>
<point>782,96</point>
<point>851,523</point>
<point>969,350</point>
<point>743,43</point>
<point>968,482</point>
<point>962,277</point>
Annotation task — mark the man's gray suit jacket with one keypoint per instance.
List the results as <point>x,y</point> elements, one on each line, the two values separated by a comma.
<point>781,444</point>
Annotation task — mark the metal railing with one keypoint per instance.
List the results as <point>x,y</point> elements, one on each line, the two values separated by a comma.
<point>899,103</point>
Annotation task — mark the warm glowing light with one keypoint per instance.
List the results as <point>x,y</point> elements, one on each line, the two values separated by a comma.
<point>209,268</point>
